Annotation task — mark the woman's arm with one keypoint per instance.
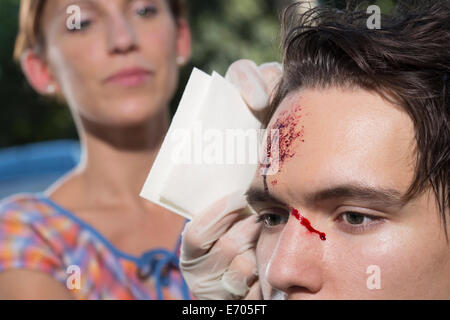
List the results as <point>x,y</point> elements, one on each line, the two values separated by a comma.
<point>31,264</point>
<point>21,284</point>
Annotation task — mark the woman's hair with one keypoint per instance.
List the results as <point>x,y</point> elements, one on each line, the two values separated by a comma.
<point>407,61</point>
<point>30,34</point>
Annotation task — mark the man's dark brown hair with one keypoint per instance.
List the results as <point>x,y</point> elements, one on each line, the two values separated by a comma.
<point>407,61</point>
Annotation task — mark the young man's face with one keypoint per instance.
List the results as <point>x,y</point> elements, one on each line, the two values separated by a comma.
<point>346,158</point>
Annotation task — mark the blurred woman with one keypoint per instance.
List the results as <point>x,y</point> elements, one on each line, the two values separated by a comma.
<point>90,235</point>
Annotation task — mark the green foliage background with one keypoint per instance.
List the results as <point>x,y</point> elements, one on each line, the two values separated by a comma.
<point>223,31</point>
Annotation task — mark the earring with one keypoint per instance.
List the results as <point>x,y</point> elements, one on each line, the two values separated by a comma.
<point>181,60</point>
<point>51,89</point>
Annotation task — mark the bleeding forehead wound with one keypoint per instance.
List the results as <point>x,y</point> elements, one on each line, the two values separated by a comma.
<point>289,134</point>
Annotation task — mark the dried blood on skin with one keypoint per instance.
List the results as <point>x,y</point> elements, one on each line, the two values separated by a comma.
<point>305,222</point>
<point>288,133</point>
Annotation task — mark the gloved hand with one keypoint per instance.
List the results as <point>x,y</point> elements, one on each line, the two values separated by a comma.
<point>256,84</point>
<point>218,247</point>
<point>217,252</point>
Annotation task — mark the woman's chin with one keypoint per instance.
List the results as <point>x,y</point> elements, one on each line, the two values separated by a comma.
<point>134,114</point>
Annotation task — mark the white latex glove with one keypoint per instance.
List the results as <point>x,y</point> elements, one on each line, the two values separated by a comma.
<point>218,247</point>
<point>217,252</point>
<point>256,84</point>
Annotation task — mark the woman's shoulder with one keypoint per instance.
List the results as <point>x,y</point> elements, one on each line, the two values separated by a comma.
<point>25,207</point>
<point>29,238</point>
<point>28,218</point>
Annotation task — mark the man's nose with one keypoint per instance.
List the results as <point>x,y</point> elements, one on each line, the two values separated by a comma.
<point>121,36</point>
<point>295,264</point>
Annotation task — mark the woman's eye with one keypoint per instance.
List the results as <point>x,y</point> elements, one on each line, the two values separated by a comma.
<point>147,11</point>
<point>84,24</point>
<point>271,219</point>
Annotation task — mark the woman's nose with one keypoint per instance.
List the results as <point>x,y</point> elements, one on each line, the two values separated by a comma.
<point>122,36</point>
<point>295,264</point>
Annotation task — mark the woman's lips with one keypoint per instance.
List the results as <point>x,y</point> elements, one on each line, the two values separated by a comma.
<point>130,77</point>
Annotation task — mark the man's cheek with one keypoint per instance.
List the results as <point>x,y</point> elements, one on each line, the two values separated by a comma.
<point>373,267</point>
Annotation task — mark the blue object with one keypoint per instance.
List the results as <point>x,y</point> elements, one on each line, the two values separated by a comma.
<point>34,167</point>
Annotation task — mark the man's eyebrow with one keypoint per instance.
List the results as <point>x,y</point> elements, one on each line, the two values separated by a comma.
<point>375,195</point>
<point>384,197</point>
<point>255,195</point>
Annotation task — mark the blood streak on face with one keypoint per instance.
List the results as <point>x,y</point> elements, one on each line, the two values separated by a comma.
<point>288,133</point>
<point>305,222</point>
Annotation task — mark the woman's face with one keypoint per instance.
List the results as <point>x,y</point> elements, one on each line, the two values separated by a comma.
<point>346,159</point>
<point>120,67</point>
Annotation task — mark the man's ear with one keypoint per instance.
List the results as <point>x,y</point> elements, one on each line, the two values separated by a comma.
<point>184,41</point>
<point>38,73</point>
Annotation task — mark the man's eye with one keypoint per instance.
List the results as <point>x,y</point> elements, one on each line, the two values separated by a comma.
<point>354,218</point>
<point>355,222</point>
<point>271,219</point>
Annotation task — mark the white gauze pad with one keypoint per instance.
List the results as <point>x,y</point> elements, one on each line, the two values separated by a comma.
<point>201,159</point>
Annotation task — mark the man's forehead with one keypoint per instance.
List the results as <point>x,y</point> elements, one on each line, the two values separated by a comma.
<point>343,113</point>
<point>336,99</point>
<point>348,136</point>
